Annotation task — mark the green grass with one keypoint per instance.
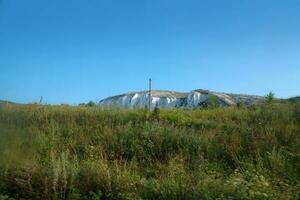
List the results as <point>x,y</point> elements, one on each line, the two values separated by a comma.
<point>64,152</point>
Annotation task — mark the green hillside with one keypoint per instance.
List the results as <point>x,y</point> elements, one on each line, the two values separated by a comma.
<point>64,152</point>
<point>6,102</point>
<point>294,99</point>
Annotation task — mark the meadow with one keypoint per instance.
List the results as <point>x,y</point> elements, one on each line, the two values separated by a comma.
<point>73,152</point>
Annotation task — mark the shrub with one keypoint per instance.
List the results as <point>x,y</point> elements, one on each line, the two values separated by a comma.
<point>270,97</point>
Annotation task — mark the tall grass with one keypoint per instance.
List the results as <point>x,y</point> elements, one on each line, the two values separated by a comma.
<point>64,152</point>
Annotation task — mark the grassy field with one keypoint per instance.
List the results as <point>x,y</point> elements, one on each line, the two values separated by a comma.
<point>64,152</point>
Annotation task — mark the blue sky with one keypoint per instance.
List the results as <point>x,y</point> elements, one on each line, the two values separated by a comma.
<point>77,50</point>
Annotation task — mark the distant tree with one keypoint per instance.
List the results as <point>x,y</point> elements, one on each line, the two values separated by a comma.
<point>297,111</point>
<point>145,113</point>
<point>240,104</point>
<point>155,113</point>
<point>91,104</point>
<point>270,97</point>
<point>211,102</point>
<point>41,100</point>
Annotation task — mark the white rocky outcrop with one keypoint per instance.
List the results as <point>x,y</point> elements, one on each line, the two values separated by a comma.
<point>195,98</point>
<point>171,99</point>
<point>163,99</point>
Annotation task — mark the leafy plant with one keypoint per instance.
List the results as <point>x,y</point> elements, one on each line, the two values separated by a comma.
<point>270,97</point>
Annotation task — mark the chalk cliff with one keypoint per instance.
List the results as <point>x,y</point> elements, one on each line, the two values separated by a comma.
<point>172,99</point>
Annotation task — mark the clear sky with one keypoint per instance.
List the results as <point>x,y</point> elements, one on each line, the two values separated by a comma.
<point>79,50</point>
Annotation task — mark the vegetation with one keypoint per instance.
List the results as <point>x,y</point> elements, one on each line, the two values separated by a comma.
<point>211,102</point>
<point>270,97</point>
<point>89,104</point>
<point>65,152</point>
<point>6,102</point>
<point>294,99</point>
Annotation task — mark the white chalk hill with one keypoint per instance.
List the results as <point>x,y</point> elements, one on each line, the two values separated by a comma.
<point>172,99</point>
